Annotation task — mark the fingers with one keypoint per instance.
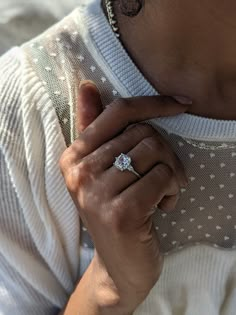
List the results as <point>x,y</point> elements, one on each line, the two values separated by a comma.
<point>150,189</point>
<point>89,105</point>
<point>151,150</point>
<point>168,203</point>
<point>119,115</point>
<point>104,157</point>
<point>144,146</point>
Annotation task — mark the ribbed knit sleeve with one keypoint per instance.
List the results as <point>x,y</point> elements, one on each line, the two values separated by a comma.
<point>42,254</point>
<point>39,224</point>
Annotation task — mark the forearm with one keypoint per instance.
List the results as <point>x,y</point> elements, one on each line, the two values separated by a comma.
<point>83,301</point>
<point>91,297</point>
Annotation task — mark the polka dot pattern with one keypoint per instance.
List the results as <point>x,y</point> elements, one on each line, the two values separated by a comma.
<point>206,209</point>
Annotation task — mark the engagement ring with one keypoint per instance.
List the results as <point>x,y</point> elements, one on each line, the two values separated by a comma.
<point>123,162</point>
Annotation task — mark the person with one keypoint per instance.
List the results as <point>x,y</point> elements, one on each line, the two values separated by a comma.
<point>78,235</point>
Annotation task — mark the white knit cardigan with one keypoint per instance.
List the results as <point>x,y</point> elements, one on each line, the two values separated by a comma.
<point>40,256</point>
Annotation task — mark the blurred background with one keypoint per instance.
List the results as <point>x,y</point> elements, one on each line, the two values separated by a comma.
<point>21,20</point>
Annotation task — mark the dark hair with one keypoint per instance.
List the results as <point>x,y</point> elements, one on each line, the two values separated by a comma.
<point>131,7</point>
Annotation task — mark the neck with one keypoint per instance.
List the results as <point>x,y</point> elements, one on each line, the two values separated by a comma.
<point>175,49</point>
<point>135,39</point>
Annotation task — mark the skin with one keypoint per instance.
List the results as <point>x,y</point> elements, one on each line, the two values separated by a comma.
<point>190,47</point>
<point>186,48</point>
<point>127,261</point>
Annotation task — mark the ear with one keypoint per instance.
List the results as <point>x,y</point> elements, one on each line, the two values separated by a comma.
<point>89,105</point>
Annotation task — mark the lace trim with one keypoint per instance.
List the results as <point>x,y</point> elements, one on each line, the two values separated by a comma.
<point>205,146</point>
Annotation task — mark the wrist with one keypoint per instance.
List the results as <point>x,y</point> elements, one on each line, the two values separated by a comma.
<point>107,295</point>
<point>95,294</point>
<point>82,300</point>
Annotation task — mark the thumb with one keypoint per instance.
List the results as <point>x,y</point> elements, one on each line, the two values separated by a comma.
<point>89,105</point>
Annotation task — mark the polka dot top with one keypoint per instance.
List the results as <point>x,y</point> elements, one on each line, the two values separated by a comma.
<point>66,54</point>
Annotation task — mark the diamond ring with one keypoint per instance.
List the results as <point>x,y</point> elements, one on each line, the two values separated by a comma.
<point>123,162</point>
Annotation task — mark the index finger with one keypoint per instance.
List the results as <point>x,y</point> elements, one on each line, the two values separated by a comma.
<point>122,112</point>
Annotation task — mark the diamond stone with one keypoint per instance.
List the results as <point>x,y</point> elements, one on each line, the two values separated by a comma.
<point>122,162</point>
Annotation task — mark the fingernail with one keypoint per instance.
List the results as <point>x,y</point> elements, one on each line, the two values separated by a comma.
<point>183,100</point>
<point>84,83</point>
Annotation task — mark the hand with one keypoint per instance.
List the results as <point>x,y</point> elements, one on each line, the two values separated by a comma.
<point>117,207</point>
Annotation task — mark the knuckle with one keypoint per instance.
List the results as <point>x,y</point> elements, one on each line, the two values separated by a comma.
<point>63,162</point>
<point>83,169</point>
<point>71,180</point>
<point>106,149</point>
<point>66,160</point>
<point>78,176</point>
<point>71,155</point>
<point>108,146</point>
<point>144,129</point>
<point>154,144</point>
<point>120,102</point>
<point>164,171</point>
<point>168,179</point>
<point>121,105</point>
<point>79,146</point>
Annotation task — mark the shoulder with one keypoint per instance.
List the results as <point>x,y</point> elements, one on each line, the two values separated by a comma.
<point>10,92</point>
<point>55,59</point>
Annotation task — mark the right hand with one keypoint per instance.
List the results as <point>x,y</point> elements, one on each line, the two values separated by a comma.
<point>117,207</point>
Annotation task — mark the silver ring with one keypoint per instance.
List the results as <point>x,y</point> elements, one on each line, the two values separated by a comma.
<point>123,162</point>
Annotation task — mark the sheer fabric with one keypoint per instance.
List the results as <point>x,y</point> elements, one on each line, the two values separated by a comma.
<point>42,254</point>
<point>206,210</point>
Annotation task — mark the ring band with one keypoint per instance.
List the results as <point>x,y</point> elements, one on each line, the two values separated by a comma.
<point>123,162</point>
